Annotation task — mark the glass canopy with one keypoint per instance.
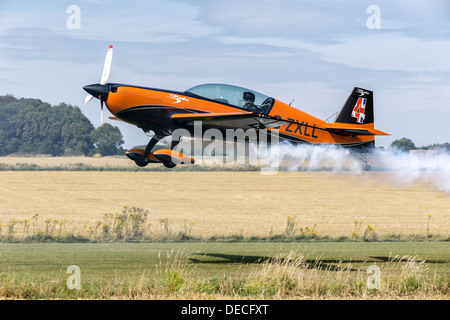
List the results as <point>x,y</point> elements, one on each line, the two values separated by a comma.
<point>237,96</point>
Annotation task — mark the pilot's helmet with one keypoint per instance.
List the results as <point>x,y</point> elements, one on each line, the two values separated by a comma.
<point>249,96</point>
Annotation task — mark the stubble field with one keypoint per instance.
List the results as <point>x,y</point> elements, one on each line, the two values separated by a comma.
<point>229,203</point>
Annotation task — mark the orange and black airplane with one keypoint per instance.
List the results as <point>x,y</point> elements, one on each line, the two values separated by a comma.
<point>223,107</point>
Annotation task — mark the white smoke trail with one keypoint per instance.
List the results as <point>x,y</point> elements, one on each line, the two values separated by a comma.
<point>429,167</point>
<point>432,167</point>
<point>317,158</point>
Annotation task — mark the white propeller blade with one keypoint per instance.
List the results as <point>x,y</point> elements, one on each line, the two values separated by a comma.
<point>101,112</point>
<point>105,73</point>
<point>107,66</point>
<point>88,98</point>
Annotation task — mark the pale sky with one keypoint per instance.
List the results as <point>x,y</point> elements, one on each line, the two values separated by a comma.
<point>313,52</point>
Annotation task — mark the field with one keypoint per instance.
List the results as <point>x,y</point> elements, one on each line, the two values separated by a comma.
<point>225,270</point>
<point>225,203</point>
<point>364,212</point>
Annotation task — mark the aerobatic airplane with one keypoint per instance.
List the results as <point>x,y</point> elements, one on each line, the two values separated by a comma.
<point>223,107</point>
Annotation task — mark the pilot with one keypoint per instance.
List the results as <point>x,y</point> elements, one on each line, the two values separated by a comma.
<point>249,101</point>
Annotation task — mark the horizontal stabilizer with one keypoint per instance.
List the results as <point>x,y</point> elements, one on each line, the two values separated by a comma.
<point>351,131</point>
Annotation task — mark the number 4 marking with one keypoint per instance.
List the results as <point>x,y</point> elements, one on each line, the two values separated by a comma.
<point>359,109</point>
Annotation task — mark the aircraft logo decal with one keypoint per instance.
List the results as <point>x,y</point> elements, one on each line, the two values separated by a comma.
<point>177,98</point>
<point>361,92</point>
<point>359,109</point>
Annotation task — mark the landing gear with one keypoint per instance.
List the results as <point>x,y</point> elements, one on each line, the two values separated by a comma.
<point>143,160</point>
<point>168,157</point>
<point>140,162</point>
<point>169,165</point>
<point>360,156</point>
<point>367,166</point>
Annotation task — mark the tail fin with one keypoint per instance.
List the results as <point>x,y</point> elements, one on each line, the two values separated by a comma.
<point>358,109</point>
<point>356,117</point>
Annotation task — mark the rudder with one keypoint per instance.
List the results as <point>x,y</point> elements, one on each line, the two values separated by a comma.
<point>358,109</point>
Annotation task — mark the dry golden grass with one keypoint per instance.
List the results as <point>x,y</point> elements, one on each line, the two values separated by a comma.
<point>48,161</point>
<point>225,203</point>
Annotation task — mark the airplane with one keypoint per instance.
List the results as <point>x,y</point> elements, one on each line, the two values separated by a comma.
<point>222,107</point>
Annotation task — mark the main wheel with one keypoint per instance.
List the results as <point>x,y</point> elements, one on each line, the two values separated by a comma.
<point>141,163</point>
<point>169,164</point>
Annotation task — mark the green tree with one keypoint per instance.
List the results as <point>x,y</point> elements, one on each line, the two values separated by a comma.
<point>403,144</point>
<point>437,146</point>
<point>107,139</point>
<point>30,125</point>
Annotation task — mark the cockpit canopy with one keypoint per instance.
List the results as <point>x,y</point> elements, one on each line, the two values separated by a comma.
<point>237,96</point>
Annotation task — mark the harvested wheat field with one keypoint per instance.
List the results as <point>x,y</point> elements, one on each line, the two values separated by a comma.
<point>229,203</point>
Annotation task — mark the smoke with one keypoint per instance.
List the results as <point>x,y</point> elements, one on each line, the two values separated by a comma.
<point>431,167</point>
<point>427,167</point>
<point>318,158</point>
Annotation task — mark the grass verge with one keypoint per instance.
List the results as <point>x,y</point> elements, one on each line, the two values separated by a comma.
<point>224,271</point>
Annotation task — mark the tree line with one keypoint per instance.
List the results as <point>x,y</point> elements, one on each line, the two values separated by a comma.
<point>405,144</point>
<point>32,126</point>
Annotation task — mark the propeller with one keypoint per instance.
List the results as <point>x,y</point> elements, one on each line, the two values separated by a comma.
<point>99,90</point>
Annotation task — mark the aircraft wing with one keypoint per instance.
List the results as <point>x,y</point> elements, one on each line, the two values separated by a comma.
<point>233,120</point>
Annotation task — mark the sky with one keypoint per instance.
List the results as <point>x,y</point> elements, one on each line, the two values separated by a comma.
<point>310,53</point>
